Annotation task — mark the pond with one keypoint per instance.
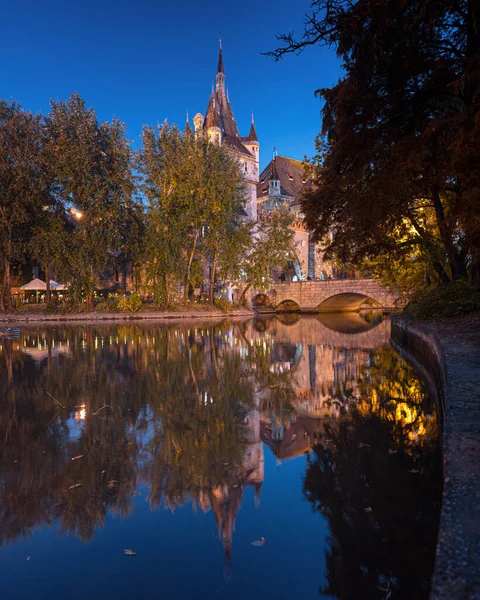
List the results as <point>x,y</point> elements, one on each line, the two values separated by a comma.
<point>288,457</point>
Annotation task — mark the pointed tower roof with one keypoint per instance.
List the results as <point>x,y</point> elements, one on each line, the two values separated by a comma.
<point>188,129</point>
<point>252,136</point>
<point>220,60</point>
<point>211,118</point>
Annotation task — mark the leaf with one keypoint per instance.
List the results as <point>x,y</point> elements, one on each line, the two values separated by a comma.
<point>74,486</point>
<point>368,509</point>
<point>79,456</point>
<point>260,542</point>
<point>129,552</point>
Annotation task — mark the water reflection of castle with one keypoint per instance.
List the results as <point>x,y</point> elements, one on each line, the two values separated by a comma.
<point>292,371</point>
<point>317,372</point>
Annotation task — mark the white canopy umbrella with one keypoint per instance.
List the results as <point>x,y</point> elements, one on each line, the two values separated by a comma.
<point>36,285</point>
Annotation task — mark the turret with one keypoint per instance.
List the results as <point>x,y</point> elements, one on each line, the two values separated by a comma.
<point>274,184</point>
<point>198,121</point>
<point>251,141</point>
<point>212,122</point>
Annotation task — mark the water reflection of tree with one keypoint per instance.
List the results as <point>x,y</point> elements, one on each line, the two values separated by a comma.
<point>159,406</point>
<point>376,479</point>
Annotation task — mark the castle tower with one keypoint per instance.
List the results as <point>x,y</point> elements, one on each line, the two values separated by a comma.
<point>274,183</point>
<point>221,128</point>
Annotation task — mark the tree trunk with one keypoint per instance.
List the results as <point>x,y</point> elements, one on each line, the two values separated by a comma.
<point>475,253</point>
<point>48,293</point>
<point>444,278</point>
<point>2,297</point>
<point>241,300</point>
<point>189,267</point>
<point>6,293</point>
<point>457,266</point>
<point>212,277</point>
<point>165,284</point>
<point>89,296</point>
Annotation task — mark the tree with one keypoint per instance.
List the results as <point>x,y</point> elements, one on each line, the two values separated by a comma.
<point>273,247</point>
<point>196,200</point>
<point>399,128</point>
<point>225,209</point>
<point>23,186</point>
<point>93,168</point>
<point>50,245</point>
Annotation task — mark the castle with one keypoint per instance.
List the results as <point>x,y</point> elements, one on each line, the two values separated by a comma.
<point>221,128</point>
<point>281,182</point>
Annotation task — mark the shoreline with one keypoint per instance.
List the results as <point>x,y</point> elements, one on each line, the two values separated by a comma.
<point>94,318</point>
<point>448,351</point>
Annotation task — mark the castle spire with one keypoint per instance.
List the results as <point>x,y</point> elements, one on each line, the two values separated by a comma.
<point>220,72</point>
<point>252,136</point>
<point>220,58</point>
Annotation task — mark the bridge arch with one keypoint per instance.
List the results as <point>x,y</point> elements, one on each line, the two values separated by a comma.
<point>288,306</point>
<point>347,302</point>
<point>335,295</point>
<point>261,301</point>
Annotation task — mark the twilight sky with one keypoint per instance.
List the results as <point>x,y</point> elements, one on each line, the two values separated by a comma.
<point>147,61</point>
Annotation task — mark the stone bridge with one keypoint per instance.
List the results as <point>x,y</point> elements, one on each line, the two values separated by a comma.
<point>331,295</point>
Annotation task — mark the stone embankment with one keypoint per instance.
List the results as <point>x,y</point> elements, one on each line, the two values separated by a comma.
<point>40,318</point>
<point>449,354</point>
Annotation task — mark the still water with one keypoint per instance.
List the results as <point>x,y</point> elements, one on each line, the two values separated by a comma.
<point>186,443</point>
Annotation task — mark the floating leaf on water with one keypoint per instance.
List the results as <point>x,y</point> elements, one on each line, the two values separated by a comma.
<point>74,486</point>
<point>28,557</point>
<point>390,451</point>
<point>137,493</point>
<point>225,464</point>
<point>260,542</point>
<point>79,456</point>
<point>368,509</point>
<point>129,552</point>
<point>112,483</point>
<point>413,470</point>
<point>362,445</point>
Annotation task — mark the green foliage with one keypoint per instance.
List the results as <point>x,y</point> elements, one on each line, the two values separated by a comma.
<point>132,303</point>
<point>223,304</point>
<point>135,302</point>
<point>444,301</point>
<point>24,186</point>
<point>123,304</point>
<point>399,140</point>
<point>273,246</point>
<point>92,164</point>
<point>108,304</point>
<point>195,199</point>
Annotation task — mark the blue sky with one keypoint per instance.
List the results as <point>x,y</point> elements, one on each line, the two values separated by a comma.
<point>147,61</point>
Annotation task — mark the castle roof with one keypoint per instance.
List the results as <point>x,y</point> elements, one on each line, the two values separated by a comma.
<point>220,114</point>
<point>288,171</point>
<point>252,136</point>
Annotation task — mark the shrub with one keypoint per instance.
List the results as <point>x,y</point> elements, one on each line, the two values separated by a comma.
<point>135,302</point>
<point>131,303</point>
<point>223,304</point>
<point>123,304</point>
<point>448,300</point>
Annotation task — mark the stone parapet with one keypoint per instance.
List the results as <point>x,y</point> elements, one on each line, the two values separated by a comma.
<point>449,353</point>
<point>332,295</point>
